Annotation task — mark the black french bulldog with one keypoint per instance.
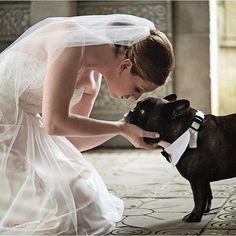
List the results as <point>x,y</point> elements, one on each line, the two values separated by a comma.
<point>213,159</point>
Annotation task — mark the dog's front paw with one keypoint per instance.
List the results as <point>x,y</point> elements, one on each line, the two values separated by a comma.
<point>208,208</point>
<point>192,217</point>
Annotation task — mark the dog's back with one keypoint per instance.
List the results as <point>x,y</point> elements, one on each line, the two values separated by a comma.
<point>216,152</point>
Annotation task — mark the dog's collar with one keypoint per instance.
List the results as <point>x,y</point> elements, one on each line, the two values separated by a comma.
<point>174,152</point>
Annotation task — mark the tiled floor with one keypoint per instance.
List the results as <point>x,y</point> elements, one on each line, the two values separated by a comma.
<point>157,198</point>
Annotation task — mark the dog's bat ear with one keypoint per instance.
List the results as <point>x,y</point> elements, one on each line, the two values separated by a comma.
<point>171,97</point>
<point>172,110</point>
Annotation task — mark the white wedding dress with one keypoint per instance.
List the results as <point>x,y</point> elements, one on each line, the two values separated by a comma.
<point>46,186</point>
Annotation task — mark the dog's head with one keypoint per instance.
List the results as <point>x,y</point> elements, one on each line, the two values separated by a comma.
<point>168,116</point>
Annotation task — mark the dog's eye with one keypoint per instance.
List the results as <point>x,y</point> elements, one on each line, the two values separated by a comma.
<point>142,112</point>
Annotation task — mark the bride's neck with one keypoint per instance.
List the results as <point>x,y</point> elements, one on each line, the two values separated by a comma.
<point>100,57</point>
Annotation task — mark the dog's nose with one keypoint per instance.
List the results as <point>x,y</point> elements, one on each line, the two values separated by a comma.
<point>128,116</point>
<point>127,113</point>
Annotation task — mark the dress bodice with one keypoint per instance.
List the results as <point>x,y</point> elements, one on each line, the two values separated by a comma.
<point>31,82</point>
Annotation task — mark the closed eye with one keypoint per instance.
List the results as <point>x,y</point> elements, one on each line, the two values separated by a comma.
<point>138,90</point>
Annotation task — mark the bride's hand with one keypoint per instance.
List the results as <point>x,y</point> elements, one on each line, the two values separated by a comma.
<point>136,134</point>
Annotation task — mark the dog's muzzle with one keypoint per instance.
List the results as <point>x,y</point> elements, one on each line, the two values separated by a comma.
<point>130,117</point>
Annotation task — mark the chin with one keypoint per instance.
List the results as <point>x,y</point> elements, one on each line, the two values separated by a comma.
<point>114,96</point>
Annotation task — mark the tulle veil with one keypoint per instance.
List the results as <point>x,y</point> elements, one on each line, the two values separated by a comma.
<point>25,148</point>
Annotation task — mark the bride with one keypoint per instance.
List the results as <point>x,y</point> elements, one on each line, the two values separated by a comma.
<point>49,80</point>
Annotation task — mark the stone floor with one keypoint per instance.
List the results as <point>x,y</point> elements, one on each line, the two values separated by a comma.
<point>156,196</point>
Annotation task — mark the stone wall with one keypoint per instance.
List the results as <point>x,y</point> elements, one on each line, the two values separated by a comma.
<point>14,20</point>
<point>43,9</point>
<point>185,22</point>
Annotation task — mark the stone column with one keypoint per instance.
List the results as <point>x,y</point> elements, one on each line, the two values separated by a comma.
<point>191,32</point>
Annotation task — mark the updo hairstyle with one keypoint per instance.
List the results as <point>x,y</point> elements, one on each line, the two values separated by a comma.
<point>152,58</point>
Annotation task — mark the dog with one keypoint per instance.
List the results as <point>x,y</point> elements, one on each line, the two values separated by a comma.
<point>213,157</point>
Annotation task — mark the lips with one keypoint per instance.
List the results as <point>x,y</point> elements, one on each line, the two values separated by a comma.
<point>125,97</point>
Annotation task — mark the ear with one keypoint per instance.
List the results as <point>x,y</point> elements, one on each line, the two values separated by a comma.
<point>125,64</point>
<point>172,110</point>
<point>171,97</point>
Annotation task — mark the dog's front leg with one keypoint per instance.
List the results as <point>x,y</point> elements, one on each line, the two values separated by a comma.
<point>200,196</point>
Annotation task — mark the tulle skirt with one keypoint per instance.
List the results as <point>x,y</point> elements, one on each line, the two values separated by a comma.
<point>47,187</point>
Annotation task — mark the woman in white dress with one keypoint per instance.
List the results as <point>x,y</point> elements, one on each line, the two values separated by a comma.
<point>54,69</point>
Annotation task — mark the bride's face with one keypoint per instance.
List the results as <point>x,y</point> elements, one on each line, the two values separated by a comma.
<point>125,85</point>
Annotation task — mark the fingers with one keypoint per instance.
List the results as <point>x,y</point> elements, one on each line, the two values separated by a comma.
<point>148,146</point>
<point>136,134</point>
<point>149,134</point>
<point>164,144</point>
<point>154,145</point>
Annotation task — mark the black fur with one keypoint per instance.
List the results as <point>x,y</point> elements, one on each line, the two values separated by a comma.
<point>213,159</point>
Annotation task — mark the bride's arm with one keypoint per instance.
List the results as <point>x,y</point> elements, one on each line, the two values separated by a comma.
<point>87,143</point>
<point>59,85</point>
<point>84,108</point>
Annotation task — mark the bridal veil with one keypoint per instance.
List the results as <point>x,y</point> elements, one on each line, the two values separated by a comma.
<point>47,187</point>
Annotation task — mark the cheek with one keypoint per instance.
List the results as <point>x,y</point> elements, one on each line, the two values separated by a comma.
<point>116,87</point>
<point>127,85</point>
<point>121,85</point>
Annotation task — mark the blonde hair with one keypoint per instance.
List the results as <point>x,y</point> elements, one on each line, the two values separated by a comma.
<point>152,58</point>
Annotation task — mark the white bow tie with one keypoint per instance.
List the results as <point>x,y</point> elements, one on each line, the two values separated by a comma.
<point>188,138</point>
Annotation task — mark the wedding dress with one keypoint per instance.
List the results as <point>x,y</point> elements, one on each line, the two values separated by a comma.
<point>46,186</point>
